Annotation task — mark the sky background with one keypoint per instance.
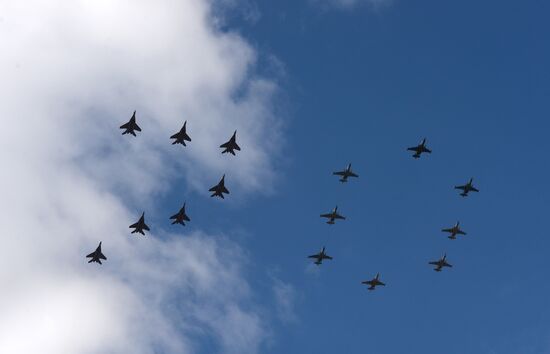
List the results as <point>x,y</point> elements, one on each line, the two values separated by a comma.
<point>310,86</point>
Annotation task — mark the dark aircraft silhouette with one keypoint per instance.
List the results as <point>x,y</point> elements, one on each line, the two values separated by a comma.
<point>140,225</point>
<point>219,189</point>
<point>419,149</point>
<point>231,145</point>
<point>468,187</point>
<point>374,282</point>
<point>131,126</point>
<point>345,174</point>
<point>180,217</point>
<point>439,264</point>
<point>181,136</point>
<point>455,230</point>
<point>333,215</point>
<point>320,256</point>
<point>96,256</point>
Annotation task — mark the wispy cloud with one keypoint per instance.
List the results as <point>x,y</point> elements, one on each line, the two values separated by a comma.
<point>72,72</point>
<point>285,299</point>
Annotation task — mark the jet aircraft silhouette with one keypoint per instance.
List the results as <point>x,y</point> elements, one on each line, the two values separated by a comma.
<point>333,215</point>
<point>140,225</point>
<point>455,230</point>
<point>419,149</point>
<point>181,136</point>
<point>231,145</point>
<point>374,282</point>
<point>468,187</point>
<point>320,256</point>
<point>345,174</point>
<point>219,189</point>
<point>97,255</point>
<point>180,217</point>
<point>439,264</point>
<point>131,126</point>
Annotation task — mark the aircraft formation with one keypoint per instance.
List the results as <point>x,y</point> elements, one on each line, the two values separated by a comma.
<point>452,231</point>
<point>218,190</point>
<point>181,217</point>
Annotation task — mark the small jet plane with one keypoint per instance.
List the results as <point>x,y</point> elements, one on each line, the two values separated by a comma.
<point>345,174</point>
<point>96,256</point>
<point>320,256</point>
<point>374,282</point>
<point>140,225</point>
<point>219,189</point>
<point>455,230</point>
<point>468,187</point>
<point>333,215</point>
<point>181,136</point>
<point>131,126</point>
<point>180,217</point>
<point>439,264</point>
<point>419,149</point>
<point>231,145</point>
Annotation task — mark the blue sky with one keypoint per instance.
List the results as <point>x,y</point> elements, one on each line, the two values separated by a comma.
<point>361,86</point>
<point>310,86</point>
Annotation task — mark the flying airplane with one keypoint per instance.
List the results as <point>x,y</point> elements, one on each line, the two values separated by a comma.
<point>231,145</point>
<point>345,174</point>
<point>419,149</point>
<point>439,264</point>
<point>180,217</point>
<point>96,256</point>
<point>131,126</point>
<point>333,215</point>
<point>219,189</point>
<point>468,187</point>
<point>374,282</point>
<point>320,256</point>
<point>181,136</point>
<point>140,225</point>
<point>455,230</point>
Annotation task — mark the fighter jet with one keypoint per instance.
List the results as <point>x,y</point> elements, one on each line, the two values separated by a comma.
<point>180,217</point>
<point>96,256</point>
<point>140,225</point>
<point>181,136</point>
<point>131,126</point>
<point>374,282</point>
<point>468,187</point>
<point>439,264</point>
<point>333,216</point>
<point>345,174</point>
<point>320,256</point>
<point>231,145</point>
<point>420,149</point>
<point>455,230</point>
<point>219,189</point>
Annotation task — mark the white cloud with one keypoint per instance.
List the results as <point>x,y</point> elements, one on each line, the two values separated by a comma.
<point>72,72</point>
<point>285,298</point>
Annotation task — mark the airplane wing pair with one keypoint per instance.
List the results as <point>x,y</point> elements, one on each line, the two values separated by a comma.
<point>142,226</point>
<point>333,216</point>
<point>131,126</point>
<point>99,256</point>
<point>219,189</point>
